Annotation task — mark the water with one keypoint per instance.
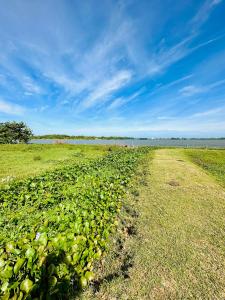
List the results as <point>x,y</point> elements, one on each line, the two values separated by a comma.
<point>138,142</point>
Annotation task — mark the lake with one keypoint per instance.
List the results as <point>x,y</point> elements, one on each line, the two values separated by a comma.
<point>209,143</point>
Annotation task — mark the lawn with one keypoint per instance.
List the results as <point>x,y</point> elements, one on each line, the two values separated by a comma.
<point>20,161</point>
<point>171,241</point>
<point>213,161</point>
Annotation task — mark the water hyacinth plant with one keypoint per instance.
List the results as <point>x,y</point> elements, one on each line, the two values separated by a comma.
<point>54,227</point>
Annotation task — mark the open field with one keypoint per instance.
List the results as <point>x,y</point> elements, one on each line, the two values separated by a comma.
<point>136,224</point>
<point>20,161</point>
<point>213,161</point>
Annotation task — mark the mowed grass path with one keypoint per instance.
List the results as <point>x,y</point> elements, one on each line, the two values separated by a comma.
<point>179,248</point>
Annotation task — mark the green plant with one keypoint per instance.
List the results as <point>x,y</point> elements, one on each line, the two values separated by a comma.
<point>37,157</point>
<point>55,226</point>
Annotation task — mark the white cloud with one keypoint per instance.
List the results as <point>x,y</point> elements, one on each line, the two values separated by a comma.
<point>30,86</point>
<point>10,108</point>
<point>204,12</point>
<point>210,112</point>
<point>118,102</point>
<point>191,90</point>
<point>170,84</point>
<point>106,88</point>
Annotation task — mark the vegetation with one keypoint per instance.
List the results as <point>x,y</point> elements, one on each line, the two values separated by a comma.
<point>171,241</point>
<point>14,133</point>
<point>168,226</point>
<point>20,161</point>
<point>56,225</point>
<point>213,161</point>
<point>79,137</point>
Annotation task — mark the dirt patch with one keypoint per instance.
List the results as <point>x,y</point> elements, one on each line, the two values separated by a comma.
<point>173,183</point>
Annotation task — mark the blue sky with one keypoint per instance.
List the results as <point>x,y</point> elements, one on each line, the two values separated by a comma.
<point>133,67</point>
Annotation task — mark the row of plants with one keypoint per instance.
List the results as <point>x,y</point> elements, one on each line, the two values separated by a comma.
<point>54,227</point>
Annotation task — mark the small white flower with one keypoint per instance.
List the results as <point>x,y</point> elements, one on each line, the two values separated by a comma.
<point>37,235</point>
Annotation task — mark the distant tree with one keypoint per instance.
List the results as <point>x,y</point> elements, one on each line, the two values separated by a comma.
<point>14,133</point>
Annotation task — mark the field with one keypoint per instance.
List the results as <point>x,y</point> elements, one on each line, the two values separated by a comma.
<point>20,161</point>
<point>213,161</point>
<point>131,223</point>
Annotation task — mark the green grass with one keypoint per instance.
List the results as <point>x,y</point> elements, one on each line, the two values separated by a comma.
<point>170,242</point>
<point>20,161</point>
<point>177,248</point>
<point>213,161</point>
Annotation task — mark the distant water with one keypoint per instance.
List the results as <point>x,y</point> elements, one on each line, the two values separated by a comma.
<point>138,142</point>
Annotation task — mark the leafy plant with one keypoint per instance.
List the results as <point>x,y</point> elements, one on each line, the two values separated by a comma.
<point>55,226</point>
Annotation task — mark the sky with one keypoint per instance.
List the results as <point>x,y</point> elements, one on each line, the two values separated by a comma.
<point>142,68</point>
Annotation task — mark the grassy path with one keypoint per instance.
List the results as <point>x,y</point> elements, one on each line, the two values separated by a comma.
<point>179,251</point>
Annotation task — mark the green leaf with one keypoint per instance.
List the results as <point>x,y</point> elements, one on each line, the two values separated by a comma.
<point>26,285</point>
<point>4,286</point>
<point>89,276</point>
<point>43,239</point>
<point>52,281</point>
<point>18,265</point>
<point>83,282</point>
<point>30,253</point>
<point>6,273</point>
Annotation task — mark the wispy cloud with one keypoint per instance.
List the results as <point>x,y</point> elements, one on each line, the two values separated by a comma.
<point>191,90</point>
<point>83,58</point>
<point>210,112</point>
<point>10,108</point>
<point>31,87</point>
<point>104,90</point>
<point>121,101</point>
<point>167,56</point>
<point>204,12</point>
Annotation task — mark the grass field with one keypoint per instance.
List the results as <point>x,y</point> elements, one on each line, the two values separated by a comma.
<point>175,249</point>
<point>213,161</point>
<point>20,161</point>
<point>170,239</point>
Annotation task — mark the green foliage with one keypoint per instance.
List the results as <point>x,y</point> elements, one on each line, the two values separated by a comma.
<point>55,226</point>
<point>14,133</point>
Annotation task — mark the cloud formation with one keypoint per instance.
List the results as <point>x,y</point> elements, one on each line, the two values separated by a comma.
<point>10,108</point>
<point>75,61</point>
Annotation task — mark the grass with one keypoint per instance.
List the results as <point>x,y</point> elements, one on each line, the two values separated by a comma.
<point>176,247</point>
<point>21,161</point>
<point>170,241</point>
<point>213,161</point>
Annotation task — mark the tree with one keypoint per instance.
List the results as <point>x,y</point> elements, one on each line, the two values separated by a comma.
<point>14,133</point>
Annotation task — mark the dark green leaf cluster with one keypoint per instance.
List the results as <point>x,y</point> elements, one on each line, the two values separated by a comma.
<point>55,226</point>
<point>14,133</point>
